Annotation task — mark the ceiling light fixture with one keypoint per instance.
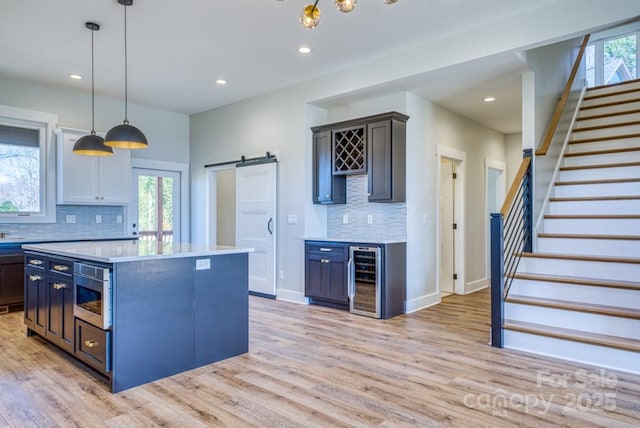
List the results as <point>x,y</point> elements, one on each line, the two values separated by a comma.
<point>304,50</point>
<point>75,77</point>
<point>489,99</point>
<point>92,144</point>
<point>221,82</point>
<point>125,136</point>
<point>310,15</point>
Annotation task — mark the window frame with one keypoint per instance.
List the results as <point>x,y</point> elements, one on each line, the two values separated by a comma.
<point>46,123</point>
<point>599,53</point>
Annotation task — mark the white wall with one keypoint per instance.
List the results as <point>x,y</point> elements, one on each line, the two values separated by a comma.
<point>513,149</point>
<point>167,132</point>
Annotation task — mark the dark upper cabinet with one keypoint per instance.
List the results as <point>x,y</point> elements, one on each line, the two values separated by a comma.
<point>373,145</point>
<point>327,188</point>
<point>386,147</point>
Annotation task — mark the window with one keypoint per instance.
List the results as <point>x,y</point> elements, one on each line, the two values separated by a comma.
<point>612,60</point>
<point>27,171</point>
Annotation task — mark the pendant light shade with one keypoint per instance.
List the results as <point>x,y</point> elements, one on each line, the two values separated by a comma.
<point>125,136</point>
<point>92,144</point>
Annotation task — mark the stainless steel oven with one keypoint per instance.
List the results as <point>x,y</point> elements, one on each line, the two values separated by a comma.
<point>92,294</point>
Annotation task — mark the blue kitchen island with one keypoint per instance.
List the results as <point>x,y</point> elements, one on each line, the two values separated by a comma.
<point>173,306</point>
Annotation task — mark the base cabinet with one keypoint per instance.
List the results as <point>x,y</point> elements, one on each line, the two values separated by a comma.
<point>93,346</point>
<point>11,283</point>
<point>326,272</point>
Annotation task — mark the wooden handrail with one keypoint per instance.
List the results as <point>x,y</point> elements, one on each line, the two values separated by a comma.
<point>515,185</point>
<point>557,113</point>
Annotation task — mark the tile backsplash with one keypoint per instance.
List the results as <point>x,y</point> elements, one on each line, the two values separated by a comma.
<point>84,227</point>
<point>389,220</point>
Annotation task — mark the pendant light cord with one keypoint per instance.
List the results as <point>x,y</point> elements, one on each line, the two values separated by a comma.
<point>126,89</point>
<point>93,95</point>
<point>315,4</point>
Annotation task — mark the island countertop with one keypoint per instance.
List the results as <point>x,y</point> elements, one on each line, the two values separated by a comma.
<point>128,251</point>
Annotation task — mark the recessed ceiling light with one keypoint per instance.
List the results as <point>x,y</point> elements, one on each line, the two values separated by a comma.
<point>75,76</point>
<point>221,82</point>
<point>304,50</point>
<point>489,99</point>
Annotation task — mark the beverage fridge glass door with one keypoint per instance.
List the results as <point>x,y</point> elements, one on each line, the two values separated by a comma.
<point>364,281</point>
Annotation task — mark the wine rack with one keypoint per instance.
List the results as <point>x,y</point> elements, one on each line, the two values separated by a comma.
<point>350,151</point>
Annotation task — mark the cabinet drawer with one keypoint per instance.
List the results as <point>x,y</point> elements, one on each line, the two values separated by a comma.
<point>93,346</point>
<point>35,261</point>
<point>328,248</point>
<point>62,267</point>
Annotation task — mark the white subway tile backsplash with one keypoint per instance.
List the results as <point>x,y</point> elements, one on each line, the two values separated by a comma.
<point>389,220</point>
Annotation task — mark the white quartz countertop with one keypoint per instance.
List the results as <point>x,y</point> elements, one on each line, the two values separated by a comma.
<point>21,240</point>
<point>129,251</point>
<point>359,241</point>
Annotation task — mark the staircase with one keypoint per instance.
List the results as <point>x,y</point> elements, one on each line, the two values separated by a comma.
<point>578,296</point>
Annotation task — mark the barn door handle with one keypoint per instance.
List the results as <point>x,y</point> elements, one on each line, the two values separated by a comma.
<point>269,224</point>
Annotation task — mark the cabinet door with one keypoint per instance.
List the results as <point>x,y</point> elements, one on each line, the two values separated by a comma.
<point>379,160</point>
<point>327,188</point>
<point>11,279</point>
<point>31,298</point>
<point>77,174</point>
<point>114,178</point>
<point>60,323</point>
<point>40,307</point>
<point>336,285</point>
<point>316,279</point>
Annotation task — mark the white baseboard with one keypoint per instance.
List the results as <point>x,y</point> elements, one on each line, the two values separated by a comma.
<point>291,296</point>
<point>472,287</point>
<point>422,302</point>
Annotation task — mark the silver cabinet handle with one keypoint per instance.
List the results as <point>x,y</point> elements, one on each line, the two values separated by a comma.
<point>326,250</point>
<point>61,268</point>
<point>35,262</point>
<point>90,343</point>
<point>34,278</point>
<point>325,261</point>
<point>59,286</point>
<point>351,289</point>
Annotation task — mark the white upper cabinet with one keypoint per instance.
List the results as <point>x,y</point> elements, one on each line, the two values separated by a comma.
<point>91,180</point>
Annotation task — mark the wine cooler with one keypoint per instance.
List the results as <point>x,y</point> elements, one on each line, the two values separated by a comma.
<point>365,281</point>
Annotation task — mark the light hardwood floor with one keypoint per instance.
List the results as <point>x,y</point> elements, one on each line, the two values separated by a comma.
<point>312,366</point>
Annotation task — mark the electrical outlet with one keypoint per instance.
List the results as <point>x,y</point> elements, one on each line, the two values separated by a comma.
<point>71,219</point>
<point>119,219</point>
<point>370,219</point>
<point>203,264</point>
<point>281,275</point>
<point>345,218</point>
<point>98,218</point>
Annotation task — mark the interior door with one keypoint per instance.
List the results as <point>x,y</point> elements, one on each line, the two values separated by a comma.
<point>256,223</point>
<point>447,219</point>
<point>156,207</point>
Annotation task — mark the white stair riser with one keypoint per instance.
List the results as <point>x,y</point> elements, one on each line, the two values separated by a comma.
<point>603,189</point>
<point>574,320</point>
<point>612,89</point>
<point>602,356</point>
<point>609,109</point>
<point>590,247</point>
<point>588,102</point>
<point>576,293</point>
<point>600,159</point>
<point>581,268</point>
<point>607,226</point>
<point>631,206</point>
<point>599,173</point>
<point>607,120</point>
<point>606,132</point>
<point>621,143</point>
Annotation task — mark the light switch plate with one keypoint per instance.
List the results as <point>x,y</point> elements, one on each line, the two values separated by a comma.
<point>203,264</point>
<point>292,219</point>
<point>119,219</point>
<point>370,219</point>
<point>98,218</point>
<point>345,218</point>
<point>71,218</point>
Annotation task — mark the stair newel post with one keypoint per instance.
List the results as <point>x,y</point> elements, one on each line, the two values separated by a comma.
<point>497,280</point>
<point>528,204</point>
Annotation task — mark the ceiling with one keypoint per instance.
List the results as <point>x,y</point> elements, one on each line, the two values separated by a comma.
<point>178,49</point>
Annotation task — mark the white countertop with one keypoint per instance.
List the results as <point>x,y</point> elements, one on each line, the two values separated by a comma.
<point>359,241</point>
<point>21,240</point>
<point>129,251</point>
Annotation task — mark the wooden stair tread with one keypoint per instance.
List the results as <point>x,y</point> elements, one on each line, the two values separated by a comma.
<point>589,236</point>
<point>603,115</point>
<point>625,285</point>
<point>607,126</point>
<point>574,335</point>
<point>592,216</point>
<point>605,138</point>
<point>582,257</point>
<point>604,165</point>
<point>606,181</point>
<point>611,94</point>
<point>603,152</point>
<point>615,103</point>
<point>609,85</point>
<point>594,198</point>
<point>613,311</point>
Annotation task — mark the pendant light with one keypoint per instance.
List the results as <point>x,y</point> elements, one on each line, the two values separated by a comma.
<point>92,144</point>
<point>125,136</point>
